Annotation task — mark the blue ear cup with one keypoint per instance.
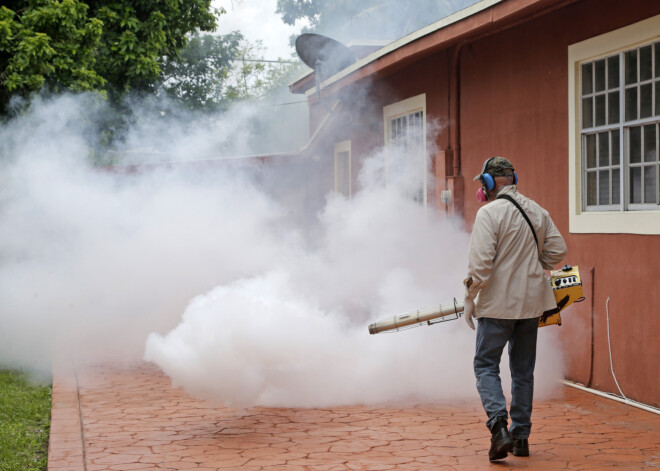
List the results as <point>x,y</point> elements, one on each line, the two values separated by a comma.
<point>515,178</point>
<point>488,181</point>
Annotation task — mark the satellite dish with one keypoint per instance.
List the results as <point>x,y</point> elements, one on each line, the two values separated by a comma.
<point>325,55</point>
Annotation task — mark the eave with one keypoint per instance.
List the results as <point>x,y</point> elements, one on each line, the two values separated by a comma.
<point>480,19</point>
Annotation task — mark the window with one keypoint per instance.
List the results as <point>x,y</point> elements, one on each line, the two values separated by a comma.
<point>405,141</point>
<point>343,168</point>
<point>614,116</point>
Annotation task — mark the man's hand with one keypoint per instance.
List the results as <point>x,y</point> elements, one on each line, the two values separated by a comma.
<point>468,312</point>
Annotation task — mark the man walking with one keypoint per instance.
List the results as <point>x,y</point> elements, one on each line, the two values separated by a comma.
<point>513,241</point>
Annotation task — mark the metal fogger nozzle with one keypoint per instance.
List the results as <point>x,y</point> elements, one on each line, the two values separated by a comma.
<point>420,316</point>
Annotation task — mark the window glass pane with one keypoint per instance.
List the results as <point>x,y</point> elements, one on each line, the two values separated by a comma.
<point>635,145</point>
<point>587,113</point>
<point>587,79</point>
<point>600,110</point>
<point>591,151</point>
<point>604,187</point>
<point>603,149</point>
<point>615,147</point>
<point>631,104</point>
<point>657,98</point>
<point>635,185</point>
<point>613,107</point>
<point>649,143</point>
<point>646,100</point>
<point>408,136</point>
<point>650,179</point>
<point>591,188</point>
<point>599,75</point>
<point>645,63</point>
<point>616,187</point>
<point>657,59</point>
<point>613,72</point>
<point>631,67</point>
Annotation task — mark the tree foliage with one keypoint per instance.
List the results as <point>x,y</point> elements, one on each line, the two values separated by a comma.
<point>115,47</point>
<point>197,77</point>
<point>137,34</point>
<point>213,71</point>
<point>294,10</point>
<point>111,46</point>
<point>254,77</point>
<point>52,44</point>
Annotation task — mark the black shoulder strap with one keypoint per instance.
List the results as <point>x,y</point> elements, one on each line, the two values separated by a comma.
<point>507,197</point>
<point>561,303</point>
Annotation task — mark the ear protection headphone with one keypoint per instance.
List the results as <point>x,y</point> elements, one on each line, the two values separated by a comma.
<point>487,179</point>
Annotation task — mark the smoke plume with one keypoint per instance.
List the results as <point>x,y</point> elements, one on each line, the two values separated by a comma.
<point>203,271</point>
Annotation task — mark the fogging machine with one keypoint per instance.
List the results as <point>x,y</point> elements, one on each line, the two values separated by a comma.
<point>566,286</point>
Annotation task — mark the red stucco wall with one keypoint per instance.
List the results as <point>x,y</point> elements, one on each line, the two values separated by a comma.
<point>514,102</point>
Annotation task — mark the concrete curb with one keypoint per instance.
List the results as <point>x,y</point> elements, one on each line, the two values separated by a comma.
<point>66,444</point>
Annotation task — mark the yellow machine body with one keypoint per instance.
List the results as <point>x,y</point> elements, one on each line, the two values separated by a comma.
<point>567,287</point>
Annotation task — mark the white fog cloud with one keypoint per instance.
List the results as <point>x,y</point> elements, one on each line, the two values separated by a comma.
<point>207,272</point>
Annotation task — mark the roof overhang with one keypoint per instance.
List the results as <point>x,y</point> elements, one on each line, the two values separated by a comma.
<point>474,21</point>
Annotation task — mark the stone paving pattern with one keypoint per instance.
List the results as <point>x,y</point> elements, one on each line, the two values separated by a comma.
<point>130,418</point>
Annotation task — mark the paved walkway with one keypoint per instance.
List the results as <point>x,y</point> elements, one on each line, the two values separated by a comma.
<point>114,418</point>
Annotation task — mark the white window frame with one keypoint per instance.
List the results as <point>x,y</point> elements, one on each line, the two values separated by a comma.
<point>343,147</point>
<point>402,108</point>
<point>614,221</point>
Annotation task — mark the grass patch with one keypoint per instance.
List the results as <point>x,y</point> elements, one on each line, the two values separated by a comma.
<point>24,423</point>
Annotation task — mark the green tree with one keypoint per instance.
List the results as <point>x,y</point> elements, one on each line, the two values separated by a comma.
<point>136,35</point>
<point>213,71</point>
<point>111,46</point>
<point>255,77</point>
<point>197,76</point>
<point>50,44</point>
<point>294,10</point>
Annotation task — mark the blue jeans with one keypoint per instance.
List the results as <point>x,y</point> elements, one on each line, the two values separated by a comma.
<point>492,335</point>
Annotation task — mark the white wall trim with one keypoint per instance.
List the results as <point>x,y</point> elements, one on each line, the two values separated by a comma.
<point>401,108</point>
<point>613,222</point>
<point>344,146</point>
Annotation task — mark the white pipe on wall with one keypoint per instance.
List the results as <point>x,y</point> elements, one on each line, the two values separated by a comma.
<point>614,397</point>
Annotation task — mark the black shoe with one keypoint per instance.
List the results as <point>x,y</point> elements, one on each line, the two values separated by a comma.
<point>520,447</point>
<point>501,442</point>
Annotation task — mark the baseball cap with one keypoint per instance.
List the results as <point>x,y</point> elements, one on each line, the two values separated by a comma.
<point>496,167</point>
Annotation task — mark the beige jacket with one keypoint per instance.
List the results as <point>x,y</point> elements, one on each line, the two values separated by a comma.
<point>505,268</point>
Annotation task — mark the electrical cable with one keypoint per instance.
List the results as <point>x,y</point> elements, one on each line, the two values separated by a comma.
<point>609,347</point>
<point>261,60</point>
<point>289,103</point>
<point>623,399</point>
